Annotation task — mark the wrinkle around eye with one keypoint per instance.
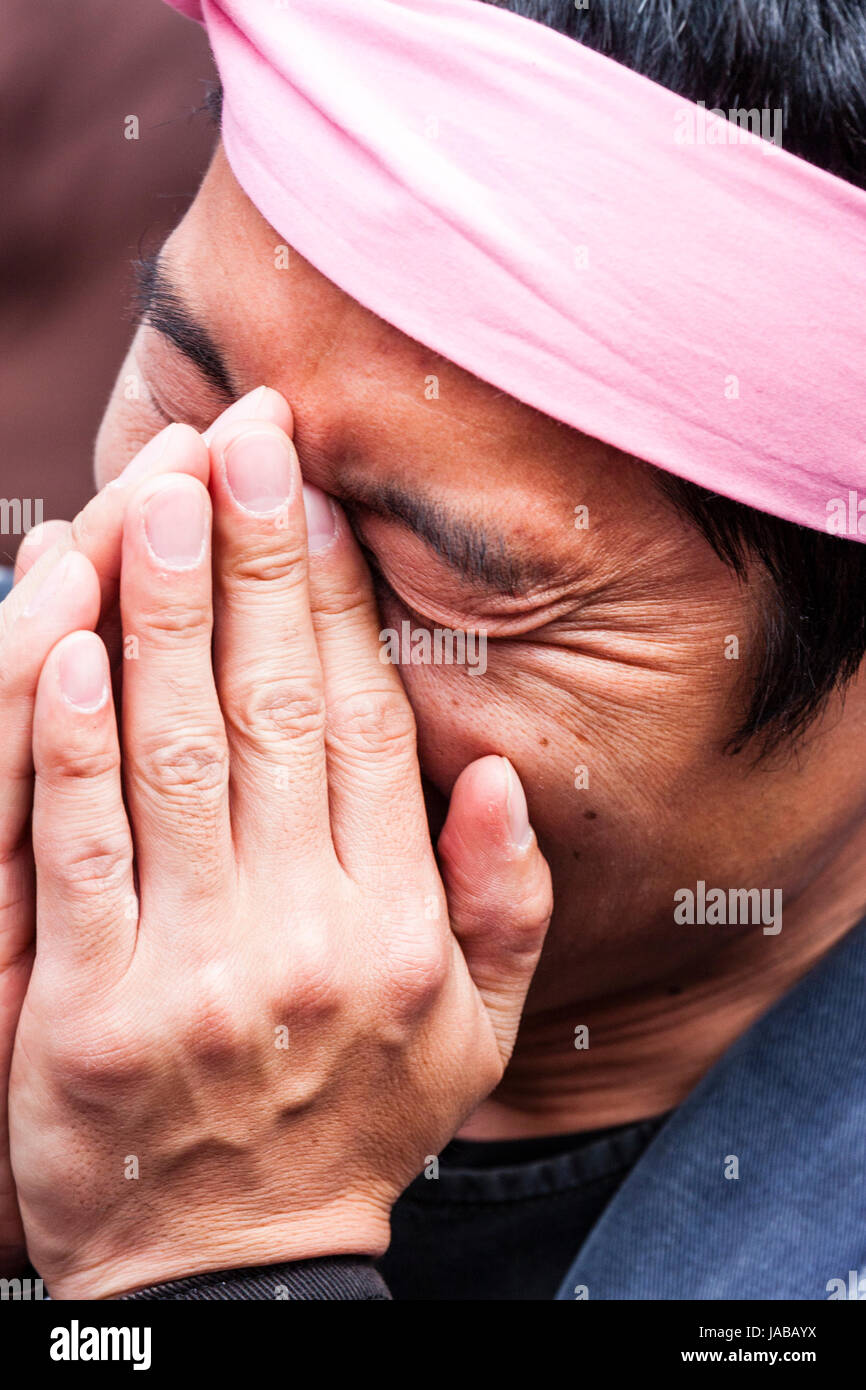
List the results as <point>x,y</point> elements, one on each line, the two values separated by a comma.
<point>453,601</point>
<point>539,624</point>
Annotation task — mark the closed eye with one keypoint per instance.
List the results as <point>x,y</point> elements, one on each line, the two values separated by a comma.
<point>384,590</point>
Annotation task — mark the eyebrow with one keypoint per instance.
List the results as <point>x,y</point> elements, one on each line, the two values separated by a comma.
<point>159,304</point>
<point>479,555</point>
<point>476,553</point>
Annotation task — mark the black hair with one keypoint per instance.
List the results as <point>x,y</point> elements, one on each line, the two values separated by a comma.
<point>807,57</point>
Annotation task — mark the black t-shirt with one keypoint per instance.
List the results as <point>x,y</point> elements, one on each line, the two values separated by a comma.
<point>505,1219</point>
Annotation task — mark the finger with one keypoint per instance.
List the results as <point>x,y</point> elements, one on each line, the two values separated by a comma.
<point>54,538</point>
<point>97,530</point>
<point>81,840</point>
<point>374,783</point>
<point>175,753</point>
<point>176,449</point>
<point>262,404</point>
<point>67,599</point>
<point>498,887</point>
<point>37,542</point>
<point>267,664</point>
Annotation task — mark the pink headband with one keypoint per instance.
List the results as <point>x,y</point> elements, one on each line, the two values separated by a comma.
<point>568,231</point>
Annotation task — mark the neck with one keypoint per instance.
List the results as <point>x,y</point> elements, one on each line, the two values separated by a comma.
<point>649,1048</point>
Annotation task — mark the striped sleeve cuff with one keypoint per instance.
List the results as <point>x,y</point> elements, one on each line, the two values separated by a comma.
<point>341,1277</point>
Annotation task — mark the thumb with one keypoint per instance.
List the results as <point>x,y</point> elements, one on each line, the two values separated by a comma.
<point>498,887</point>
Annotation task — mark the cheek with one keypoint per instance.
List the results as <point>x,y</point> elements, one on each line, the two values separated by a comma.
<point>610,758</point>
<point>626,796</point>
<point>522,714</point>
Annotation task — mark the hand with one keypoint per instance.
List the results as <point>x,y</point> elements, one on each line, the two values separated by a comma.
<point>62,570</point>
<point>250,1059</point>
<point>66,579</point>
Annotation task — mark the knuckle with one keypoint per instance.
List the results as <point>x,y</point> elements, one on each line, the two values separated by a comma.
<point>315,991</point>
<point>210,1019</point>
<point>372,722</point>
<point>78,762</point>
<point>417,967</point>
<point>195,762</point>
<point>529,916</point>
<point>346,596</point>
<point>276,560</point>
<point>100,1064</point>
<point>162,618</point>
<point>270,711</point>
<point>212,1033</point>
<point>95,866</point>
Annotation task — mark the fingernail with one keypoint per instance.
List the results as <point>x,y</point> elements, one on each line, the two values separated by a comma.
<point>49,590</point>
<point>321,517</point>
<point>259,471</point>
<point>518,813</point>
<point>84,672</point>
<point>248,406</point>
<point>146,458</point>
<point>175,524</point>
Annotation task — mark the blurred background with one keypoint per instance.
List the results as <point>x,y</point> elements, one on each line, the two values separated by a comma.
<point>82,200</point>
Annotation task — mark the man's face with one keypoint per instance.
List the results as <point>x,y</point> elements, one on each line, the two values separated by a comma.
<point>611,681</point>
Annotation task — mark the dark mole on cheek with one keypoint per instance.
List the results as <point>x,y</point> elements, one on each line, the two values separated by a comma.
<point>575,853</point>
<point>589,815</point>
<point>544,742</point>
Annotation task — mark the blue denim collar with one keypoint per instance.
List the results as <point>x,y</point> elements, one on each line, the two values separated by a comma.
<point>788,1102</point>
